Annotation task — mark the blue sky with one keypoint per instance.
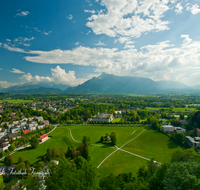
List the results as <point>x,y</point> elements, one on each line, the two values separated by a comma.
<point>69,42</point>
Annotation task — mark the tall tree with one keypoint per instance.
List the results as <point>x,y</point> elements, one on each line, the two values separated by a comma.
<point>34,142</point>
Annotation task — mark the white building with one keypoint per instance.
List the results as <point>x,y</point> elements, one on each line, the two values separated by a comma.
<point>118,114</point>
<point>168,128</point>
<point>108,117</point>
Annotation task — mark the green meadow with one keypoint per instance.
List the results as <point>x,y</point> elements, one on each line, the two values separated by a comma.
<point>18,101</point>
<point>150,144</point>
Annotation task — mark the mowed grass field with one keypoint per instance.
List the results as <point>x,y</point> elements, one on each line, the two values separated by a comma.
<point>150,144</point>
<point>60,137</point>
<point>176,109</point>
<point>153,144</point>
<point>18,101</point>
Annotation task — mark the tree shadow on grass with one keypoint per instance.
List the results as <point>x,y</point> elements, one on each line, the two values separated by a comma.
<point>171,144</point>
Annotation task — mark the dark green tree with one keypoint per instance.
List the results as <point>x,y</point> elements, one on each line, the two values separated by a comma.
<point>34,142</point>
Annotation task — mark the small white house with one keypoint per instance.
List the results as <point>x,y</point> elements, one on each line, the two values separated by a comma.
<point>168,128</point>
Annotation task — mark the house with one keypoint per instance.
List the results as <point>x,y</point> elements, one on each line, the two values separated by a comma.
<point>180,129</point>
<point>15,129</point>
<point>118,114</point>
<point>182,121</point>
<point>46,122</point>
<point>40,126</point>
<point>39,119</point>
<point>4,143</point>
<point>192,142</point>
<point>108,117</point>
<point>43,137</point>
<point>53,109</point>
<point>168,128</point>
<point>26,131</point>
<point>12,136</point>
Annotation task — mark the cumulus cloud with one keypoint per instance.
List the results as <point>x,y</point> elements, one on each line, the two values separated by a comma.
<point>16,71</point>
<point>70,17</point>
<point>129,18</point>
<point>194,8</point>
<point>5,84</point>
<point>8,40</point>
<point>15,49</point>
<point>187,39</point>
<point>59,76</point>
<point>179,8</point>
<point>47,33</point>
<point>100,44</point>
<point>89,11</point>
<point>159,61</point>
<point>22,13</point>
<point>77,43</point>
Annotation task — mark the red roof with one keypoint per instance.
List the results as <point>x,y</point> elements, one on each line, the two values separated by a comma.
<point>43,136</point>
<point>27,131</point>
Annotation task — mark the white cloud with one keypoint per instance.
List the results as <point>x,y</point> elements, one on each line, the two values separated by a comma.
<point>59,76</point>
<point>1,69</point>
<point>129,18</point>
<point>5,84</point>
<point>159,61</point>
<point>194,8</point>
<point>0,44</point>
<point>27,39</point>
<point>16,71</point>
<point>89,11</point>
<point>8,40</point>
<point>70,17</point>
<point>187,39</point>
<point>15,49</point>
<point>100,44</point>
<point>89,32</point>
<point>179,8</point>
<point>47,33</point>
<point>22,13</point>
<point>27,45</point>
<point>77,43</point>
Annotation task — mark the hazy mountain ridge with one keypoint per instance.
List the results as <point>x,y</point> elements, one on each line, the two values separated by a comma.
<point>105,83</point>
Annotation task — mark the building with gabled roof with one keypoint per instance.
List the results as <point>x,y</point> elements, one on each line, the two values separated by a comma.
<point>43,137</point>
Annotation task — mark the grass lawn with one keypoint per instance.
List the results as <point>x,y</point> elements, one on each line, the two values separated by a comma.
<point>116,120</point>
<point>121,162</point>
<point>60,136</point>
<point>96,131</point>
<point>153,144</point>
<point>18,101</point>
<point>150,144</point>
<point>184,109</point>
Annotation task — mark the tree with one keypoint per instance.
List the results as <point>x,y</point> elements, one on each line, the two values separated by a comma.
<point>9,160</point>
<point>11,148</point>
<point>2,185</point>
<point>20,166</point>
<point>113,138</point>
<point>55,152</point>
<point>34,142</point>
<point>182,175</point>
<point>63,151</point>
<point>21,159</point>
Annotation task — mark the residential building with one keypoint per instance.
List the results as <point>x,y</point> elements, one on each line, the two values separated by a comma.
<point>39,119</point>
<point>180,129</point>
<point>192,142</point>
<point>108,117</point>
<point>118,114</point>
<point>168,128</point>
<point>43,137</point>
<point>26,131</point>
<point>40,126</point>
<point>46,122</point>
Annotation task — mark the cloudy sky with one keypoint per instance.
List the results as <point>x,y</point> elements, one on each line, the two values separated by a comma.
<point>69,42</point>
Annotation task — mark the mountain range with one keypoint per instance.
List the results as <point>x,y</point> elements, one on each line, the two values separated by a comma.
<point>105,83</point>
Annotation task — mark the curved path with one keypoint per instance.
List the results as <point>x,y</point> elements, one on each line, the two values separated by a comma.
<point>117,148</point>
